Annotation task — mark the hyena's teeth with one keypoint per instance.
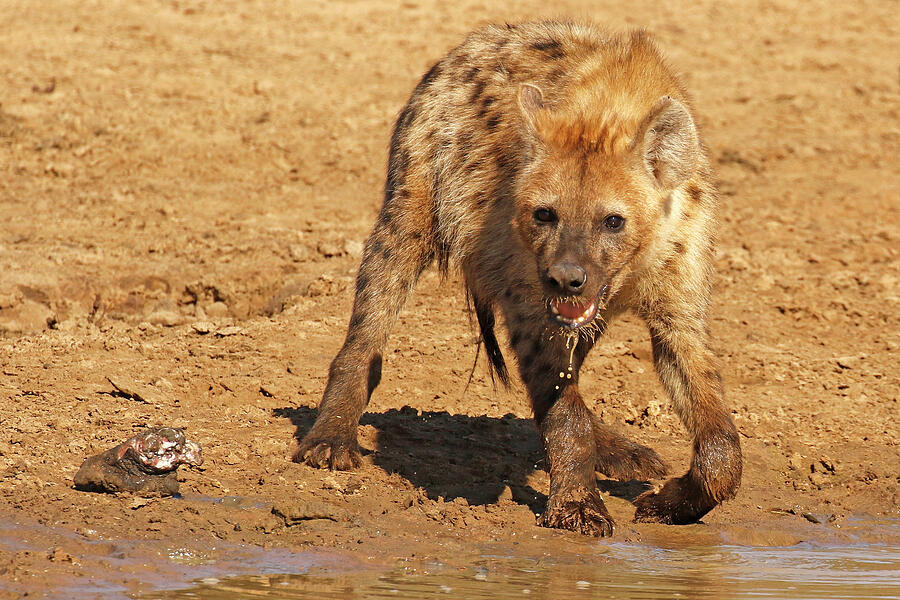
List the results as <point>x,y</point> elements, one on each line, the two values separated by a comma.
<point>553,308</point>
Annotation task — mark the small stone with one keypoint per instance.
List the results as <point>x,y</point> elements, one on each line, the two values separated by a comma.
<point>329,249</point>
<point>828,464</point>
<point>263,86</point>
<point>217,310</point>
<point>298,252</point>
<point>811,518</point>
<point>298,511</point>
<point>818,479</point>
<point>353,248</point>
<point>227,331</point>
<point>506,495</point>
<point>165,318</point>
<point>203,327</point>
<point>135,390</point>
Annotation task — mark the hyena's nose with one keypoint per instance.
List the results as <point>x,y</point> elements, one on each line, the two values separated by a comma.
<point>567,277</point>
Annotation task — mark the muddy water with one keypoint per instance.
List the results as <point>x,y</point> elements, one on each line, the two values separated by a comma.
<point>614,570</point>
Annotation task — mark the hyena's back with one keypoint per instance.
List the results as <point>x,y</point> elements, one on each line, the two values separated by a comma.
<point>460,144</point>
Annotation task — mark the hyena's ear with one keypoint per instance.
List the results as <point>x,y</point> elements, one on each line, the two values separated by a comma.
<point>668,142</point>
<point>531,100</point>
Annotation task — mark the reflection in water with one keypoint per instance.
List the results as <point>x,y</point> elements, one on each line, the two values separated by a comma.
<point>617,570</point>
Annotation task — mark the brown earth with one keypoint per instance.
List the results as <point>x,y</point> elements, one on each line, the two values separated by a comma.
<point>185,188</point>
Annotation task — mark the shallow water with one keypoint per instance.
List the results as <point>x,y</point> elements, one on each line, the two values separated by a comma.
<point>617,570</point>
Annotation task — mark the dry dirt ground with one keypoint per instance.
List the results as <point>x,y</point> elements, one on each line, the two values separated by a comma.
<point>185,186</point>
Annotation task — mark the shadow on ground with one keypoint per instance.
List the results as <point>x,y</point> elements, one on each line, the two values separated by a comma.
<point>456,456</point>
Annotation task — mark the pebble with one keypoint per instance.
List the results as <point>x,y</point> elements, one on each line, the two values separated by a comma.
<point>165,318</point>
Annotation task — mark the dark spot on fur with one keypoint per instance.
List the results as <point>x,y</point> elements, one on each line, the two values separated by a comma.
<point>393,228</point>
<point>405,118</point>
<point>386,253</point>
<point>397,165</point>
<point>356,321</point>
<point>552,48</point>
<point>695,193</point>
<point>464,141</point>
<point>678,247</point>
<point>377,247</point>
<point>507,173</point>
<point>470,74</point>
<point>485,105</point>
<point>474,165</point>
<point>398,157</point>
<point>426,80</point>
<point>492,122</point>
<point>362,282</point>
<point>476,93</point>
<point>555,75</point>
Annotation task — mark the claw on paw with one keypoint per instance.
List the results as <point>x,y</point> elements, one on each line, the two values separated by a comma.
<point>586,515</point>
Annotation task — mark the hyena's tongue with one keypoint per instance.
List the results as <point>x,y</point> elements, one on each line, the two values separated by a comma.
<point>571,311</point>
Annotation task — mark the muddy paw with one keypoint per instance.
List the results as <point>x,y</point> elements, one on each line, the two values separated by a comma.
<point>339,455</point>
<point>677,503</point>
<point>582,512</point>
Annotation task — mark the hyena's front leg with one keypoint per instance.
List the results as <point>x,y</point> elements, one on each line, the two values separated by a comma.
<point>566,426</point>
<point>687,370</point>
<point>394,258</point>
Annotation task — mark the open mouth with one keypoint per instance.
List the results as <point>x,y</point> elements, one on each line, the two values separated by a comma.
<point>573,315</point>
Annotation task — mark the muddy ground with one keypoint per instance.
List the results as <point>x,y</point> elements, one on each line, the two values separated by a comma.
<point>185,186</point>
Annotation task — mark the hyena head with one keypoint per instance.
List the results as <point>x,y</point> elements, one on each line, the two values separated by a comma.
<point>593,195</point>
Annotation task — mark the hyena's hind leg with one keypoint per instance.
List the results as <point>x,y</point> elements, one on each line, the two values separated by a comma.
<point>396,253</point>
<point>620,458</point>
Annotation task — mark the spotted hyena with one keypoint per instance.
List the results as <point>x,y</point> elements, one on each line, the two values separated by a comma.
<point>560,169</point>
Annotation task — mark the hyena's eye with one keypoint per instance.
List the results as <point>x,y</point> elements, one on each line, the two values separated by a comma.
<point>614,222</point>
<point>544,215</point>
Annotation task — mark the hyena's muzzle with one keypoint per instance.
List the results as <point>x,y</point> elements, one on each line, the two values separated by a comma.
<point>574,293</point>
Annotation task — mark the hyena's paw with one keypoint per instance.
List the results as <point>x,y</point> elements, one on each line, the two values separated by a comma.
<point>679,502</point>
<point>634,462</point>
<point>328,453</point>
<point>581,511</point>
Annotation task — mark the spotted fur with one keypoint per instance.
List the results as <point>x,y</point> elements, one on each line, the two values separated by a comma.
<point>583,124</point>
